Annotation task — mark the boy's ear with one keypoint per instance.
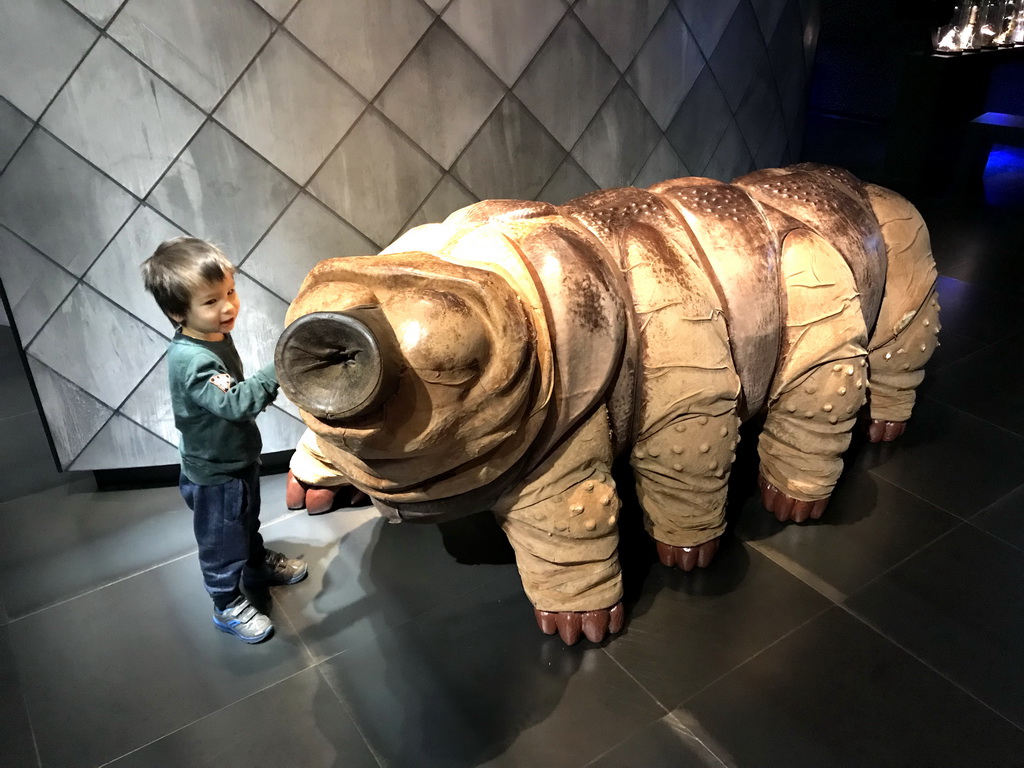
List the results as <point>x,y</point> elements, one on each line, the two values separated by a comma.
<point>176,319</point>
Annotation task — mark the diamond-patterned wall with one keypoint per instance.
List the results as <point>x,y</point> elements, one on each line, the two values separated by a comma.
<point>293,130</point>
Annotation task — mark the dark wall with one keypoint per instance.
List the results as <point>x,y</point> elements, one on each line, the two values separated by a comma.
<point>861,48</point>
<point>882,106</point>
<point>1006,89</point>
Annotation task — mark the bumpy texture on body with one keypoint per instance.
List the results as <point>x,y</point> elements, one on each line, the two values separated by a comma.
<point>503,359</point>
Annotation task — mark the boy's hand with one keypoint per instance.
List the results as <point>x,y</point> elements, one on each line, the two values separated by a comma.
<point>318,499</point>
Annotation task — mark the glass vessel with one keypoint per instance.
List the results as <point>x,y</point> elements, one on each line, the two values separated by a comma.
<point>1007,19</point>
<point>968,27</point>
<point>946,37</point>
<point>988,24</point>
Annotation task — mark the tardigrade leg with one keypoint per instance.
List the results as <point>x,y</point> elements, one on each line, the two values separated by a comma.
<point>905,335</point>
<point>562,522</point>
<point>682,469</point>
<point>687,421</point>
<point>314,483</point>
<point>820,384</point>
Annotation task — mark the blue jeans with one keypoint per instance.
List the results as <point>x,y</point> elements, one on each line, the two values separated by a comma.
<point>226,520</point>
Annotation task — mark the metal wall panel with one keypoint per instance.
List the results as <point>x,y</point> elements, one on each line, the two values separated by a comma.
<point>293,130</point>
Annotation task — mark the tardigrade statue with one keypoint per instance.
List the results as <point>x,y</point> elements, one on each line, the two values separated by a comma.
<point>501,360</point>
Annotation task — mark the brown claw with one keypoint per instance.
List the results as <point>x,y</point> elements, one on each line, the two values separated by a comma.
<point>616,618</point>
<point>785,507</point>
<point>294,492</point>
<point>571,625</point>
<point>893,430</point>
<point>359,499</point>
<point>880,431</point>
<point>316,499</point>
<point>546,621</point>
<point>687,558</point>
<point>320,500</point>
<point>595,625</point>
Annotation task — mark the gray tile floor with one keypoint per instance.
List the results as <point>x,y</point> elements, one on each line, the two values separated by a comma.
<point>887,634</point>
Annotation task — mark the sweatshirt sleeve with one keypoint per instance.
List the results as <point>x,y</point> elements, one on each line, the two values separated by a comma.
<point>212,387</point>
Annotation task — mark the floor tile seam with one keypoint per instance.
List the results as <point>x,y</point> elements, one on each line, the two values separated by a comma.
<point>758,653</point>
<point>953,529</point>
<point>995,501</point>
<point>204,717</point>
<point>991,535</point>
<point>15,499</point>
<point>624,739</point>
<point>291,513</point>
<point>983,420</point>
<point>25,703</point>
<point>92,590</point>
<point>910,492</point>
<point>671,714</point>
<point>421,614</point>
<point>279,609</point>
<point>64,479</point>
<point>988,344</point>
<point>632,677</point>
<point>914,494</point>
<point>381,761</point>
<point>124,578</point>
<point>702,741</point>
<point>939,673</point>
<point>17,415</point>
<point>28,711</point>
<point>802,574</point>
<point>333,656</point>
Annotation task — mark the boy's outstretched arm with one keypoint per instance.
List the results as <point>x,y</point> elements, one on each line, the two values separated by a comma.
<point>212,387</point>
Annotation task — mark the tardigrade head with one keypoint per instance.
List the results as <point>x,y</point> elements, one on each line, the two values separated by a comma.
<point>407,366</point>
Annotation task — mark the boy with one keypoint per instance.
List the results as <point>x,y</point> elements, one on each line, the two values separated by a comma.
<point>215,411</point>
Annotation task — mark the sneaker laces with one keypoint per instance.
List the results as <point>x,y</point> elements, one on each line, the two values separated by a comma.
<point>275,560</point>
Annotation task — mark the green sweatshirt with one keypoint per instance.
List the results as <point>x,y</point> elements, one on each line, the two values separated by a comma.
<point>215,407</point>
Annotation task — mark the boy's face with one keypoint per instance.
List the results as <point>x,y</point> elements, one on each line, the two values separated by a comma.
<point>212,311</point>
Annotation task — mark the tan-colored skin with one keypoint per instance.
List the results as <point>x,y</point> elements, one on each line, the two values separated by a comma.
<point>537,343</point>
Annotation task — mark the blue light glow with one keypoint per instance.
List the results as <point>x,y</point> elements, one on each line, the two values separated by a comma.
<point>1004,176</point>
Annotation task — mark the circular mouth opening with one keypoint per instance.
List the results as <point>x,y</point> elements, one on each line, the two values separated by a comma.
<point>333,364</point>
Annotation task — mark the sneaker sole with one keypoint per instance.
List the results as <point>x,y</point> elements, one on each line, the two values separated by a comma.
<point>251,640</point>
<point>273,583</point>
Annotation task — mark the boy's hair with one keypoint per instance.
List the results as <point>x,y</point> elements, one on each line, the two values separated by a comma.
<point>178,268</point>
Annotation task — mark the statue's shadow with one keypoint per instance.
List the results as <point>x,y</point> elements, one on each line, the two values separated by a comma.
<point>478,539</point>
<point>431,644</point>
<point>447,665</point>
<point>644,577</point>
<point>852,500</point>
